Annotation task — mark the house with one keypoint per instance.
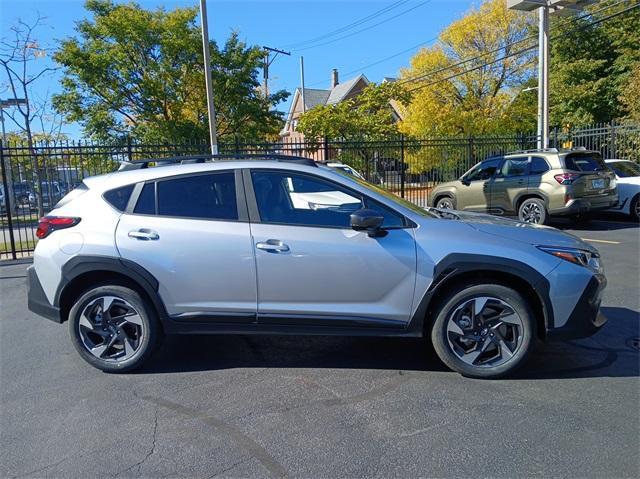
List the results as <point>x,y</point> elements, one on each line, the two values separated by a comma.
<point>338,92</point>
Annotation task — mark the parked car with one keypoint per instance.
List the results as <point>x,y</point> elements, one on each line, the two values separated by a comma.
<point>534,185</point>
<point>52,192</point>
<point>224,247</point>
<point>23,194</point>
<point>628,176</point>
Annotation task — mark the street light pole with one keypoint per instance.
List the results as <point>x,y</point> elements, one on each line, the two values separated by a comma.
<point>207,78</point>
<point>543,77</point>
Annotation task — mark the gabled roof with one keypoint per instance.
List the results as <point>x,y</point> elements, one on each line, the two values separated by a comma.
<point>314,97</point>
<point>341,90</point>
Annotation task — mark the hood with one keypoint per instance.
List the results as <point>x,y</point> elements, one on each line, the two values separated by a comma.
<point>517,230</point>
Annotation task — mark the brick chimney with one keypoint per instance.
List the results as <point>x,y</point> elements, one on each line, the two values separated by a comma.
<point>334,78</point>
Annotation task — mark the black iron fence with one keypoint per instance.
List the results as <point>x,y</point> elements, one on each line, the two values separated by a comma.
<point>35,178</point>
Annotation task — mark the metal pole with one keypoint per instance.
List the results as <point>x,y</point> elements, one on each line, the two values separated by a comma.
<point>8,193</point>
<point>302,83</point>
<point>543,77</point>
<point>207,78</point>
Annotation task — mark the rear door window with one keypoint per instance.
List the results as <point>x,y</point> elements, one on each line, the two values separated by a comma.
<point>585,162</point>
<point>514,166</point>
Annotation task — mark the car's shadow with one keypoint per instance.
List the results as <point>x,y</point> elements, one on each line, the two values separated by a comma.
<point>610,353</point>
<point>597,223</point>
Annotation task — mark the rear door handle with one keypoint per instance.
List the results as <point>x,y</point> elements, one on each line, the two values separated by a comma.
<point>273,246</point>
<point>144,234</point>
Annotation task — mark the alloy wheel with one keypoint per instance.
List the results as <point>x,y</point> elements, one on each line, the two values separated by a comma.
<point>484,332</point>
<point>111,329</point>
<point>445,204</point>
<point>531,213</point>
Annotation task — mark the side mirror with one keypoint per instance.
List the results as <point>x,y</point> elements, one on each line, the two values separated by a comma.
<point>367,220</point>
<point>464,181</point>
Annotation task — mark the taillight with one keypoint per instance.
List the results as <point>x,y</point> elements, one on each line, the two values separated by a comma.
<point>567,178</point>
<point>49,224</point>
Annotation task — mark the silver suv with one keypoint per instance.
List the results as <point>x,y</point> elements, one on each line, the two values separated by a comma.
<point>533,185</point>
<point>282,245</point>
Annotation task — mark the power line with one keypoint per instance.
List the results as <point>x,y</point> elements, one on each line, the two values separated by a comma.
<point>503,47</point>
<point>519,52</point>
<point>364,29</point>
<point>371,16</point>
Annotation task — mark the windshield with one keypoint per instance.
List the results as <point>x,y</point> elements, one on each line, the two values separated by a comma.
<point>625,169</point>
<point>387,194</point>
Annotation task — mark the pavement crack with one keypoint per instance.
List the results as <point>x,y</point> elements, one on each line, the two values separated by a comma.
<point>227,469</point>
<point>152,450</point>
<point>44,468</point>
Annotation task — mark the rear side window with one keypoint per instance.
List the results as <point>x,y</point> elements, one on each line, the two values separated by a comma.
<point>514,167</point>
<point>584,162</point>
<point>119,197</point>
<point>146,204</point>
<point>538,166</point>
<point>210,196</point>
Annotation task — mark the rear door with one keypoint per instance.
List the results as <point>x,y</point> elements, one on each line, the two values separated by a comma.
<point>192,233</point>
<point>509,182</point>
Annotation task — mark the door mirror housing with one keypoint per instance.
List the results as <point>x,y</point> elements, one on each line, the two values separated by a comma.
<point>464,181</point>
<point>367,220</point>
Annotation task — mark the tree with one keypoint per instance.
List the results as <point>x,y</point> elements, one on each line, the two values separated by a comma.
<point>20,58</point>
<point>368,115</point>
<point>592,64</point>
<point>630,96</point>
<point>465,84</point>
<point>131,71</point>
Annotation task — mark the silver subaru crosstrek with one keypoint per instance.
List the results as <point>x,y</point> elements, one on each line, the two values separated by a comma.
<point>282,245</point>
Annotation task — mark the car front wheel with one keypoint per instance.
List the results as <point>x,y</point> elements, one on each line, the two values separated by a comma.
<point>446,203</point>
<point>483,331</point>
<point>113,328</point>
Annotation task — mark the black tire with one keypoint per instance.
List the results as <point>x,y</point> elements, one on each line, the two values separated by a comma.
<point>144,337</point>
<point>635,213</point>
<point>446,348</point>
<point>533,210</point>
<point>445,202</point>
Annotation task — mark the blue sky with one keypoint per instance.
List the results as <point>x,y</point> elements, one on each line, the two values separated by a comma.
<point>281,24</point>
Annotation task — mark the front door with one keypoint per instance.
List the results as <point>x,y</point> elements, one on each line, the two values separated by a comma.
<point>191,233</point>
<point>312,268</point>
<point>509,182</point>
<point>476,186</point>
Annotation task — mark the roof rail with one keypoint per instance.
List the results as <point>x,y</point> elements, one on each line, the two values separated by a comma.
<point>534,150</point>
<point>141,164</point>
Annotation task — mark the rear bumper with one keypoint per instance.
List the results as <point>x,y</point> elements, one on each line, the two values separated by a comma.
<point>586,318</point>
<point>37,301</point>
<point>586,205</point>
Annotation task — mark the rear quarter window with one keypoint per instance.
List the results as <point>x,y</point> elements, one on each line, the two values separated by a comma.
<point>119,197</point>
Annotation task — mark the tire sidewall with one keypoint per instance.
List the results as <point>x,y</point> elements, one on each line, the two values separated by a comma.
<point>150,329</point>
<point>632,207</point>
<point>450,199</point>
<point>545,215</point>
<point>465,293</point>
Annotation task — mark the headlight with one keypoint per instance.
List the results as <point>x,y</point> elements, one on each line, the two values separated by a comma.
<point>580,257</point>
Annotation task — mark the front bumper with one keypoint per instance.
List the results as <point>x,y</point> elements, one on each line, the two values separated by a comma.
<point>37,301</point>
<point>586,318</point>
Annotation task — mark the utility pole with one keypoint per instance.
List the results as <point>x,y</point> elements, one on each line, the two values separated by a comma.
<point>304,109</point>
<point>545,8</point>
<point>543,77</point>
<point>268,60</point>
<point>213,139</point>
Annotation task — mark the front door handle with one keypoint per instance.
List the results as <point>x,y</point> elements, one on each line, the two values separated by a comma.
<point>273,246</point>
<point>144,234</point>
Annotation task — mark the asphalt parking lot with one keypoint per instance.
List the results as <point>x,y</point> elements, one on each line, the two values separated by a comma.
<point>241,406</point>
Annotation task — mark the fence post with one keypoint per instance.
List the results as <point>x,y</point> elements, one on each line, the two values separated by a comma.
<point>402,166</point>
<point>325,147</point>
<point>7,199</point>
<point>613,153</point>
<point>129,149</point>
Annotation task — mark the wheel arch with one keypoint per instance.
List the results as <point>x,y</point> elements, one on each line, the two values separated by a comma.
<point>457,270</point>
<point>83,272</point>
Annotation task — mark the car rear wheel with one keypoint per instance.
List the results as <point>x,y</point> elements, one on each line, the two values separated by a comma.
<point>533,210</point>
<point>113,328</point>
<point>446,203</point>
<point>483,331</point>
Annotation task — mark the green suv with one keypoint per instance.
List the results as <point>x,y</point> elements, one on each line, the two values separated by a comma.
<point>534,185</point>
